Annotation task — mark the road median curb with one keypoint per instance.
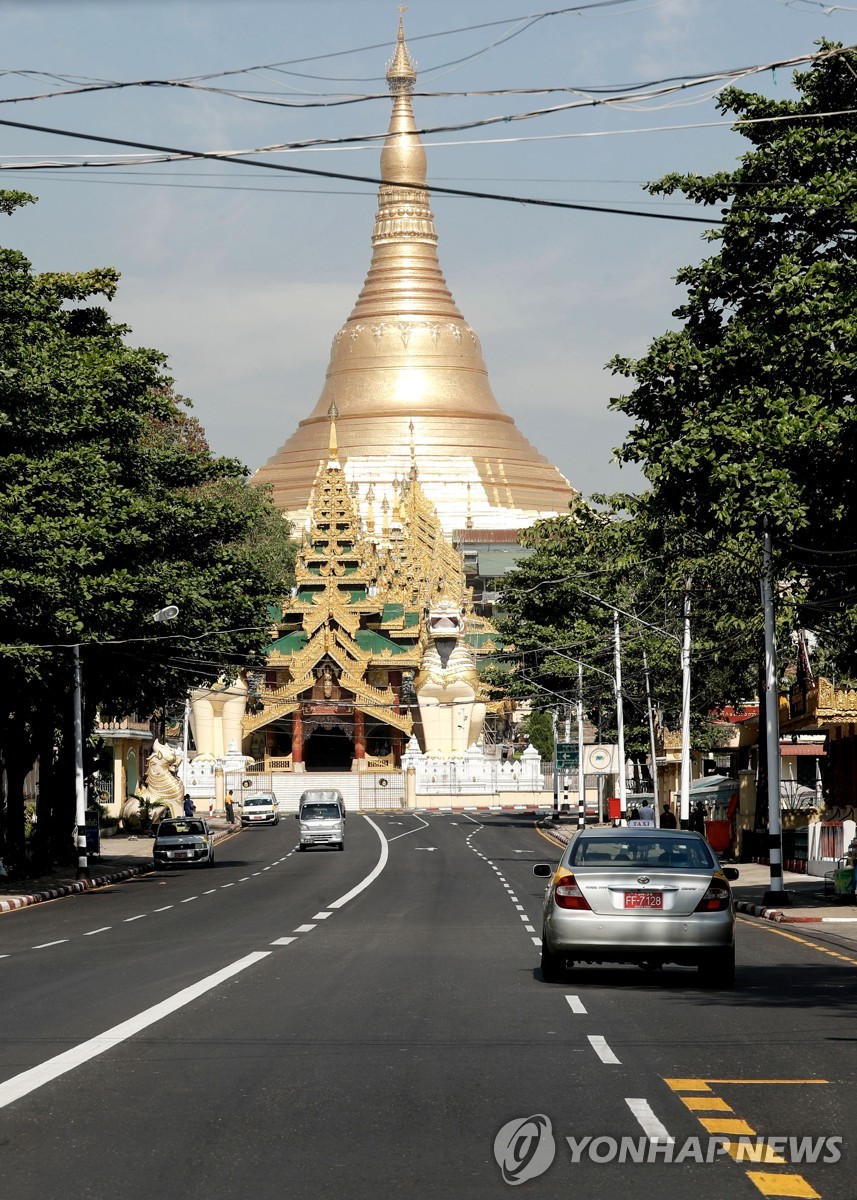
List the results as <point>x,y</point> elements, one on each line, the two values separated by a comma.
<point>13,903</point>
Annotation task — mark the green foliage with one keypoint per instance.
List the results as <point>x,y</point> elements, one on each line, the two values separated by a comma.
<point>537,727</point>
<point>746,413</point>
<point>112,505</point>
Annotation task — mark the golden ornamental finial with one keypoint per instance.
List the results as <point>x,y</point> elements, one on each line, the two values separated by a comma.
<point>401,72</point>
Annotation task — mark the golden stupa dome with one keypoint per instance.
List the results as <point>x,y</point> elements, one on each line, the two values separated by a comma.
<point>407,375</point>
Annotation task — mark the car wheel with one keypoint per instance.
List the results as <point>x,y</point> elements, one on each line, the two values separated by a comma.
<point>301,847</point>
<point>717,969</point>
<point>341,846</point>
<point>553,965</point>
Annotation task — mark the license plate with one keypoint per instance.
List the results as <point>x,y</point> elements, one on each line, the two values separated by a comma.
<point>644,899</point>
<point>257,817</point>
<point>181,854</point>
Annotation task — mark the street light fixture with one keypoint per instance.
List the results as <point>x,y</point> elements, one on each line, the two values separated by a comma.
<point>164,614</point>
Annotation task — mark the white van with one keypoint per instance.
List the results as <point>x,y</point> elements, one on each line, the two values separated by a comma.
<point>321,813</point>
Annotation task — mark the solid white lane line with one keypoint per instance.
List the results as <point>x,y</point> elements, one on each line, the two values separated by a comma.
<point>651,1126</point>
<point>164,909</point>
<point>283,941</point>
<point>599,1045</point>
<point>36,1077</point>
<point>304,928</point>
<point>139,917</point>
<point>189,898</point>
<point>415,829</point>
<point>475,822</point>
<point>103,929</point>
<point>576,1004</point>
<point>373,874</point>
<point>322,916</point>
<point>536,941</point>
<point>44,945</point>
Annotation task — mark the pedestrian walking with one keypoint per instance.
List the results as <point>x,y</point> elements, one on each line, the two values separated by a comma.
<point>668,820</point>
<point>188,806</point>
<point>697,818</point>
<point>230,809</point>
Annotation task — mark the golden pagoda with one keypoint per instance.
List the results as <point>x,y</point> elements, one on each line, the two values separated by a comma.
<point>406,373</point>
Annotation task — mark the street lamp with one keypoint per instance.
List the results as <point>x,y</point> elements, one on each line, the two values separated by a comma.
<point>164,614</point>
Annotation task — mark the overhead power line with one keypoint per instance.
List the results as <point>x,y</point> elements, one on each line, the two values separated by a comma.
<point>224,156</point>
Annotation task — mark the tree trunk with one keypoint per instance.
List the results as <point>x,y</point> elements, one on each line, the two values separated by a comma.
<point>19,759</point>
<point>761,819</point>
<point>41,850</point>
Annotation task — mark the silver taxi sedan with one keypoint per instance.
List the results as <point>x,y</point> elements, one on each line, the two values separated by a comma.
<point>639,895</point>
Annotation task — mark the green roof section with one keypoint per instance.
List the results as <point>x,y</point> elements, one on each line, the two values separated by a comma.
<point>376,643</point>
<point>290,644</point>
<point>495,562</point>
<point>412,619</point>
<point>478,640</point>
<point>392,612</point>
<point>275,613</point>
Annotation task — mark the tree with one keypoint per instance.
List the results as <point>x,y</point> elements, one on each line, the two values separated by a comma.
<point>746,414</point>
<point>111,506</point>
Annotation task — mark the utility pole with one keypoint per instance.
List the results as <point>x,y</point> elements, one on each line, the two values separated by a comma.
<point>581,779</point>
<point>776,894</point>
<point>652,741</point>
<point>620,720</point>
<point>79,791</point>
<point>684,812</point>
<point>555,773</point>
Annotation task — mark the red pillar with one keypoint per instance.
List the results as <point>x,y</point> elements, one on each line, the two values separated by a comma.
<point>297,736</point>
<point>359,734</point>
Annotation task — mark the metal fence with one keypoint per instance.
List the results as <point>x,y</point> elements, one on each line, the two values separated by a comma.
<point>381,790</point>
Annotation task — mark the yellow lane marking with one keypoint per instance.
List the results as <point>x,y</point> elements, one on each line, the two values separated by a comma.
<point>755,1153</point>
<point>770,1184</point>
<point>705,1104</point>
<point>766,1081</point>
<point>548,838</point>
<point>687,1085</point>
<point>727,1125</point>
<point>803,941</point>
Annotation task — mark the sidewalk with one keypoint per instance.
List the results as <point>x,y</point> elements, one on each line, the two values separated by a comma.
<point>809,902</point>
<point>121,858</point>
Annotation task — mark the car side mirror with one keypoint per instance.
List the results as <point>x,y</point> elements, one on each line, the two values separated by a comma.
<point>543,870</point>
<point>731,872</point>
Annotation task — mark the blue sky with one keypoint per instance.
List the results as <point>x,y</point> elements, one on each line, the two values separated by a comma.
<point>242,276</point>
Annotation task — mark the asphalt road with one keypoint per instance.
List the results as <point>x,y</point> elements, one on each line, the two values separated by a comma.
<point>363,1024</point>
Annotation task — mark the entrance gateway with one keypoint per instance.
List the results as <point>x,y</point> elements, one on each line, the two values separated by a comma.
<point>361,791</point>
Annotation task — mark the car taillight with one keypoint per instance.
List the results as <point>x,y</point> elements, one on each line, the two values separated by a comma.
<point>567,894</point>
<point>716,898</point>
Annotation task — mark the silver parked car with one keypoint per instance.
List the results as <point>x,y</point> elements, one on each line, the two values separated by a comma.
<point>321,813</point>
<point>183,840</point>
<point>639,895</point>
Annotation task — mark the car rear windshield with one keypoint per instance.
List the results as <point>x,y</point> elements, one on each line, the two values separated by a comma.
<point>652,852</point>
<point>179,828</point>
<point>313,811</point>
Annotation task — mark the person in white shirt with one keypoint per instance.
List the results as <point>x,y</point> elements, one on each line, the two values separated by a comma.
<point>647,813</point>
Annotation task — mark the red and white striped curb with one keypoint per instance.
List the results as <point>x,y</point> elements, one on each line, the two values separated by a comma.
<point>776,914</point>
<point>70,889</point>
<point>12,903</point>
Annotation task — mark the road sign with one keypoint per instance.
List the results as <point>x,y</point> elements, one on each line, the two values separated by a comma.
<point>566,756</point>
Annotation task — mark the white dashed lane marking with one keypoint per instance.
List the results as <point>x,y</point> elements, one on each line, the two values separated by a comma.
<point>650,1124</point>
<point>283,941</point>
<point>139,917</point>
<point>188,899</point>
<point>164,909</point>
<point>576,1004</point>
<point>599,1045</point>
<point>322,916</point>
<point>103,929</point>
<point>44,945</point>
<point>304,928</point>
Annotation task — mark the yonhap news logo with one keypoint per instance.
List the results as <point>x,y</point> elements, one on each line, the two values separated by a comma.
<point>524,1148</point>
